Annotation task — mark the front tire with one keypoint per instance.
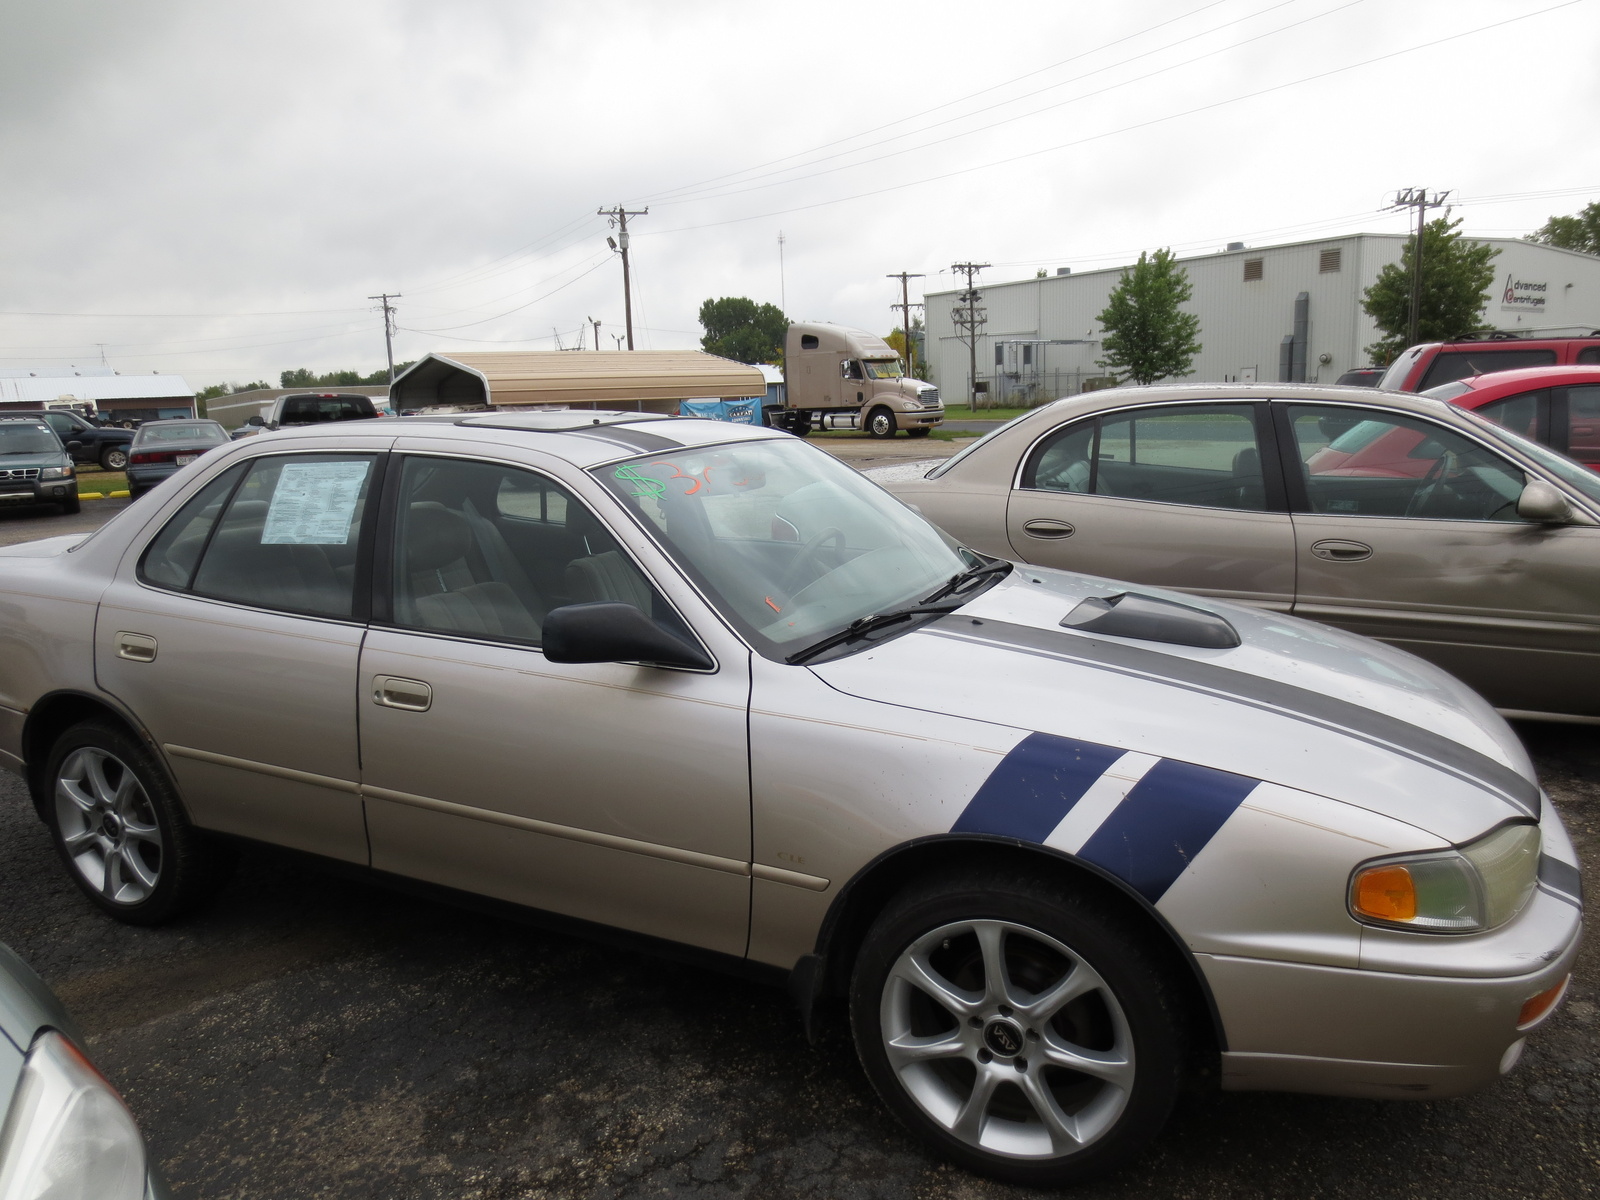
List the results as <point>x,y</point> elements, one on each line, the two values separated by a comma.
<point>121,831</point>
<point>1017,1029</point>
<point>920,431</point>
<point>71,506</point>
<point>881,423</point>
<point>114,458</point>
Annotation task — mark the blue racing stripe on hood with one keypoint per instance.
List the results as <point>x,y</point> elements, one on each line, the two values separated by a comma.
<point>1164,822</point>
<point>1035,786</point>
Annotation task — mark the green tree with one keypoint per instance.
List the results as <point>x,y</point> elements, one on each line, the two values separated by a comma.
<point>896,338</point>
<point>739,328</point>
<point>300,377</point>
<point>1147,336</point>
<point>1455,275</point>
<point>1579,232</point>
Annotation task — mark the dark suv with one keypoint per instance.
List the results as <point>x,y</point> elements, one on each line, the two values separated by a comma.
<point>34,466</point>
<point>86,442</point>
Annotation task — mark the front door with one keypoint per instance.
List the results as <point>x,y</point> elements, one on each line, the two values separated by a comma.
<point>1407,531</point>
<point>233,638</point>
<point>1173,496</point>
<point>611,792</point>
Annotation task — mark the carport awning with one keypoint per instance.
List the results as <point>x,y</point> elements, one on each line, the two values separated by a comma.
<point>645,380</point>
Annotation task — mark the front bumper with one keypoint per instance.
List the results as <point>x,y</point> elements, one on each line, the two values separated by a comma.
<point>913,418</point>
<point>1339,1031</point>
<point>48,491</point>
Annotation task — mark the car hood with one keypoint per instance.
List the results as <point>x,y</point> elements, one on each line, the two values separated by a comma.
<point>1295,703</point>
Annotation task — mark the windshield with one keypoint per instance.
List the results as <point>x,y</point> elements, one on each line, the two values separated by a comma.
<point>790,544</point>
<point>17,438</point>
<point>1394,378</point>
<point>1574,474</point>
<point>204,432</point>
<point>883,368</point>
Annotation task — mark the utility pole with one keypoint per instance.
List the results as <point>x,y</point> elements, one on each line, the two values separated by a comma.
<point>1418,199</point>
<point>388,328</point>
<point>905,306</point>
<point>619,218</point>
<point>783,291</point>
<point>970,318</point>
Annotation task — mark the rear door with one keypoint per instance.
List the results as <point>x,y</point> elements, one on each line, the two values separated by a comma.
<point>233,635</point>
<point>1185,496</point>
<point>1407,531</point>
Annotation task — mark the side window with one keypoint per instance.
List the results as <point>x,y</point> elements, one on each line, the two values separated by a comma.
<point>1583,422</point>
<point>62,425</point>
<point>487,550</point>
<point>1358,464</point>
<point>289,536</point>
<point>1063,462</point>
<point>171,558</point>
<point>1524,414</point>
<point>1201,454</point>
<point>1589,354</point>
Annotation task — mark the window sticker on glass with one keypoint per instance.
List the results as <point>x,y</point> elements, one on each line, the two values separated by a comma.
<point>313,504</point>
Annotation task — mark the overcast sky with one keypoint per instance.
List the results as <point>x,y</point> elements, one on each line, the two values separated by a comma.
<point>214,188</point>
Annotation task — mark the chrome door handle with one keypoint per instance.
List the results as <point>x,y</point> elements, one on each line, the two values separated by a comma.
<point>1048,529</point>
<point>1339,550</point>
<point>136,647</point>
<point>412,695</point>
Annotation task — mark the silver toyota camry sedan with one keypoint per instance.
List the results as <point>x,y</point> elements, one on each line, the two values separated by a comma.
<point>1056,839</point>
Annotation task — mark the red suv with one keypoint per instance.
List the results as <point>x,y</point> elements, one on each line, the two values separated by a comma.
<point>1432,363</point>
<point>1559,406</point>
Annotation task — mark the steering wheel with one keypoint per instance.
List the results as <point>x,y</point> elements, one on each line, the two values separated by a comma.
<point>812,551</point>
<point>1442,466</point>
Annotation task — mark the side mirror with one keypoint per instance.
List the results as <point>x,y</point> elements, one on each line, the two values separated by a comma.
<point>74,445</point>
<point>1542,504</point>
<point>609,632</point>
<point>258,421</point>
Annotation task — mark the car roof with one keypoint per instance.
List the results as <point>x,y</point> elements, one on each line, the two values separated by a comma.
<point>1166,393</point>
<point>1528,377</point>
<point>583,437</point>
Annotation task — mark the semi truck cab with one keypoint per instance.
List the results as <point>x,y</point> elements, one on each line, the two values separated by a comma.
<point>837,377</point>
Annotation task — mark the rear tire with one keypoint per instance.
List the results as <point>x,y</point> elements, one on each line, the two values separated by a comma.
<point>120,830</point>
<point>114,458</point>
<point>800,424</point>
<point>1057,1068</point>
<point>881,423</point>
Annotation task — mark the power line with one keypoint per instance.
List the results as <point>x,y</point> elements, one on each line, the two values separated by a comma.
<point>1312,78</point>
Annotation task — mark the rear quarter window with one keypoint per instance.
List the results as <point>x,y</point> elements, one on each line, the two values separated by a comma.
<point>1451,365</point>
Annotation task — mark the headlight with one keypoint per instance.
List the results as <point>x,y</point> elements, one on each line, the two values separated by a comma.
<point>68,1134</point>
<point>1479,886</point>
<point>56,473</point>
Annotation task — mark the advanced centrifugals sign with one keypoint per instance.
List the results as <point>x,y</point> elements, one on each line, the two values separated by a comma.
<point>1521,295</point>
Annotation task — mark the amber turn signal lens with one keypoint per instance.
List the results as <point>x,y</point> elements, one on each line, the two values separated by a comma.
<point>1536,1006</point>
<point>1387,893</point>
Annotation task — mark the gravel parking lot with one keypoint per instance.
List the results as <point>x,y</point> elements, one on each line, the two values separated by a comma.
<point>314,1035</point>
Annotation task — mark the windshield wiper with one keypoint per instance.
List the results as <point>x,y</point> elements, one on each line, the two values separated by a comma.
<point>862,626</point>
<point>961,582</point>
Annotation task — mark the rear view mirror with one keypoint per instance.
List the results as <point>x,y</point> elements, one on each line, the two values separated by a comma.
<point>1541,503</point>
<point>606,631</point>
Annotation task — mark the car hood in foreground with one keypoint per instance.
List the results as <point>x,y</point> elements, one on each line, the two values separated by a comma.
<point>1296,703</point>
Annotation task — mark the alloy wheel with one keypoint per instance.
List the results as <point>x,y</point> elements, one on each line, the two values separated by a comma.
<point>1007,1039</point>
<point>108,826</point>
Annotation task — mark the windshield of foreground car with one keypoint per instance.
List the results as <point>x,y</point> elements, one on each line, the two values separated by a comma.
<point>17,438</point>
<point>1573,474</point>
<point>791,545</point>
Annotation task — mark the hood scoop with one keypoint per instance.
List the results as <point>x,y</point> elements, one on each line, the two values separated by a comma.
<point>1133,615</point>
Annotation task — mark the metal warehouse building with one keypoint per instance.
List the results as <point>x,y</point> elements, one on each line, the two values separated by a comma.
<point>117,397</point>
<point>1271,313</point>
